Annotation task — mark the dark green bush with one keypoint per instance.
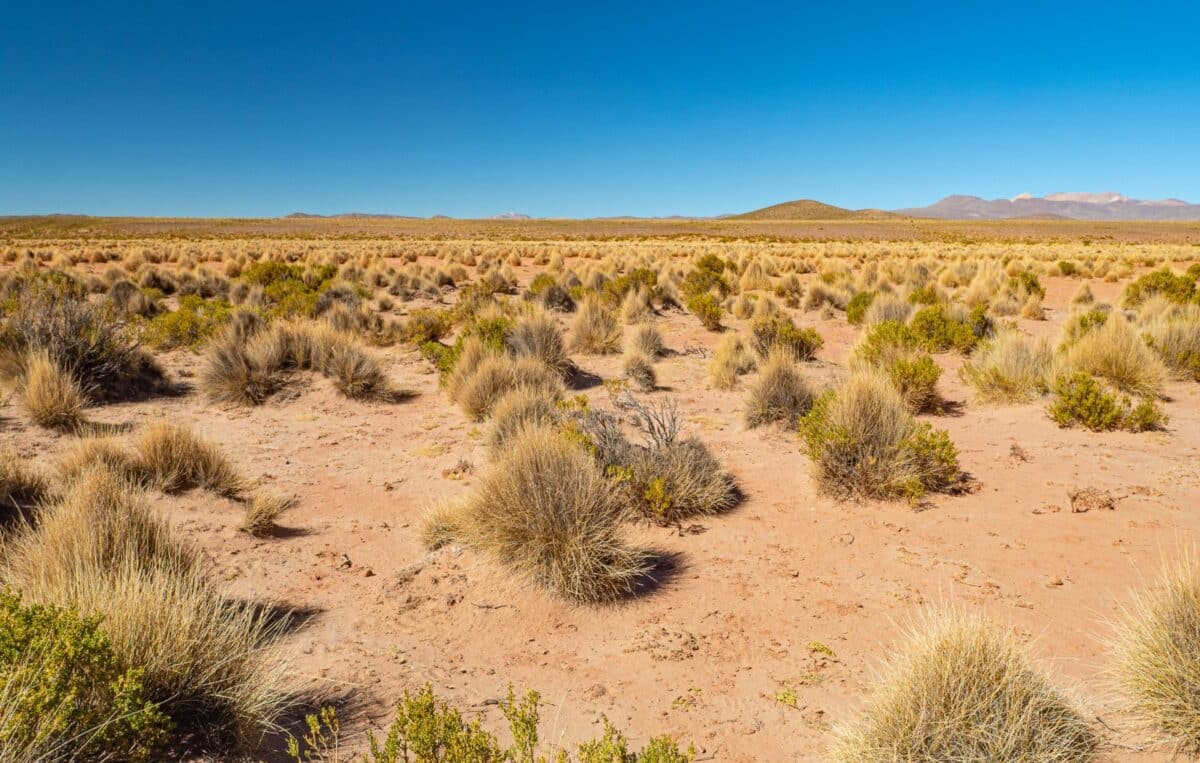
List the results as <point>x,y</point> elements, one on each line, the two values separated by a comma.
<point>939,332</point>
<point>1175,288</point>
<point>1067,268</point>
<point>66,696</point>
<point>708,309</point>
<point>856,308</point>
<point>923,295</point>
<point>1080,399</point>
<point>194,322</point>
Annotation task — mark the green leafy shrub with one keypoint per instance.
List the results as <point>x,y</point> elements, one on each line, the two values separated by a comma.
<point>1175,288</point>
<point>864,442</point>
<point>195,321</point>
<point>938,331</point>
<point>777,331</point>
<point>1025,283</point>
<point>856,308</point>
<point>1067,268</point>
<point>426,729</point>
<point>427,325</point>
<point>1080,323</point>
<point>707,308</point>
<point>639,278</point>
<point>923,295</point>
<point>64,693</point>
<point>1080,399</point>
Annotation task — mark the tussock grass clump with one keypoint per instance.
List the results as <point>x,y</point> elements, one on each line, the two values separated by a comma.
<point>1009,368</point>
<point>547,513</point>
<point>646,339</point>
<point>1156,646</point>
<point>51,395</point>
<point>638,368</point>
<point>1116,353</point>
<point>779,394</point>
<point>594,329</point>
<point>731,358</point>
<point>172,458</point>
<point>495,375</point>
<point>961,689</point>
<point>1176,341</point>
<point>204,660</point>
<point>864,442</point>
<point>263,512</point>
<point>22,488</point>
<point>537,336</point>
<point>247,369</point>
<point>516,410</point>
<point>887,307</point>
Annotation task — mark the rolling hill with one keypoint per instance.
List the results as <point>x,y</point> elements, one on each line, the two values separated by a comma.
<point>808,209</point>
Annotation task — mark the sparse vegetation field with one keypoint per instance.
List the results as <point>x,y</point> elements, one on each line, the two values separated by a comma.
<point>631,490</point>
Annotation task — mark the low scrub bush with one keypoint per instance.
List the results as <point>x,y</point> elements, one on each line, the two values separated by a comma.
<point>856,308</point>
<point>706,307</point>
<point>64,693</point>
<point>89,341</point>
<point>898,353</point>
<point>1080,399</point>
<point>863,442</point>
<point>22,488</point>
<point>1179,289</point>
<point>195,322</point>
<point>537,336</point>
<point>495,375</point>
<point>939,329</point>
<point>638,368</point>
<point>779,332</point>
<point>961,689</point>
<point>427,729</point>
<point>1176,341</point>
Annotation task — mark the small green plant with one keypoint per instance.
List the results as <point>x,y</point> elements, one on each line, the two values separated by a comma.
<point>708,309</point>
<point>856,308</point>
<point>1080,399</point>
<point>923,295</point>
<point>1174,288</point>
<point>1067,268</point>
<point>195,321</point>
<point>938,331</point>
<point>64,692</point>
<point>427,325</point>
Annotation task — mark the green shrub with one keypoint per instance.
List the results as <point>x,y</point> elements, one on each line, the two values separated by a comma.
<point>777,331</point>
<point>938,331</point>
<point>63,692</point>
<point>856,308</point>
<point>1079,398</point>
<point>1026,282</point>
<point>194,322</point>
<point>426,729</point>
<point>1080,323</point>
<point>864,442</point>
<point>916,379</point>
<point>427,325</point>
<point>1067,268</point>
<point>923,295</point>
<point>1174,288</point>
<point>708,309</point>
<point>639,278</point>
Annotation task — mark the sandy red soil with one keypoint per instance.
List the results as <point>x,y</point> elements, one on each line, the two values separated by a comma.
<point>704,656</point>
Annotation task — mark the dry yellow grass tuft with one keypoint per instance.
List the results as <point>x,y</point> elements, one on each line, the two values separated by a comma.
<point>961,689</point>
<point>1156,649</point>
<point>50,394</point>
<point>546,512</point>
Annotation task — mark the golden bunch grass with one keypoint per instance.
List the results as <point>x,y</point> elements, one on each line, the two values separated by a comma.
<point>961,689</point>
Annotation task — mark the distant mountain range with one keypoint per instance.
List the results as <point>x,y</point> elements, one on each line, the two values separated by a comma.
<point>1065,206</point>
<point>1071,206</point>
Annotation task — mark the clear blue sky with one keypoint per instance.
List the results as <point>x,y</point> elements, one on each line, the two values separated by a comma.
<point>571,109</point>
